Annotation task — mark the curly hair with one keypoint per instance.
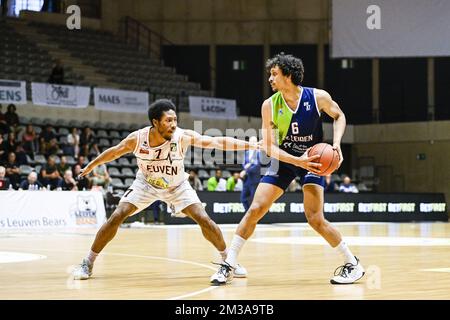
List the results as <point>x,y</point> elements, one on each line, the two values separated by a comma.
<point>289,65</point>
<point>157,108</point>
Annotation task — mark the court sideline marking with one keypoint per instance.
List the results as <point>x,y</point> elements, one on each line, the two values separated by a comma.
<point>148,257</point>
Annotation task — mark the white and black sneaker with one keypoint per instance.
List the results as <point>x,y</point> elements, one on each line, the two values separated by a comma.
<point>348,273</point>
<point>223,276</point>
<point>83,271</point>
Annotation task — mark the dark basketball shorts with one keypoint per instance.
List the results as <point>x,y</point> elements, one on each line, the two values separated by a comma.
<point>287,172</point>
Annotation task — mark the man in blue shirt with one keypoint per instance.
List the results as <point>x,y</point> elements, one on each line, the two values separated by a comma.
<point>251,174</point>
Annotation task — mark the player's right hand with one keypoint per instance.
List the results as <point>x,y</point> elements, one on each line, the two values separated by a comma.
<point>306,162</point>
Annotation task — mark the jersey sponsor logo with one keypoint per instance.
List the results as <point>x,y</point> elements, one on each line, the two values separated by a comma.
<point>143,151</point>
<point>294,138</point>
<point>307,105</point>
<point>160,183</point>
<point>168,170</point>
<point>173,147</point>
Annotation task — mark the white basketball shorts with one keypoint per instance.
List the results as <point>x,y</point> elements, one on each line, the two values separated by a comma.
<point>141,195</point>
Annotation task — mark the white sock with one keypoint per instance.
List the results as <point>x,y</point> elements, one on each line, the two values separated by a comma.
<point>345,252</point>
<point>233,251</point>
<point>91,257</point>
<point>223,254</point>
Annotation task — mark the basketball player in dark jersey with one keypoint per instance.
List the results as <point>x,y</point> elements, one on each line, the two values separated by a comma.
<point>291,123</point>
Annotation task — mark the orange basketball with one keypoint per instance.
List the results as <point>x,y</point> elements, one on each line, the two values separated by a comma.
<point>329,158</point>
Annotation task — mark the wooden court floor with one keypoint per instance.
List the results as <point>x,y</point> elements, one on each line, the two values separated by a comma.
<point>284,261</point>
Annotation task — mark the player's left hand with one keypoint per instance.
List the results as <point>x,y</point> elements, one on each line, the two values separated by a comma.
<point>337,147</point>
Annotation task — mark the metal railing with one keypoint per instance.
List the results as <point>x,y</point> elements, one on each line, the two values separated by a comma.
<point>143,38</point>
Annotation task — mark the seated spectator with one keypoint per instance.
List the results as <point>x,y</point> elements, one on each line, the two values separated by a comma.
<point>194,181</point>
<point>31,182</point>
<point>50,175</point>
<point>330,185</point>
<point>57,75</point>
<point>12,119</point>
<point>84,183</point>
<point>347,186</point>
<point>12,145</point>
<point>45,137</point>
<point>73,143</point>
<point>4,128</point>
<point>217,183</point>
<point>52,148</point>
<point>3,148</point>
<point>4,181</point>
<point>29,141</point>
<point>234,183</point>
<point>88,142</point>
<point>81,162</point>
<point>63,166</point>
<point>12,170</point>
<point>101,176</point>
<point>68,183</point>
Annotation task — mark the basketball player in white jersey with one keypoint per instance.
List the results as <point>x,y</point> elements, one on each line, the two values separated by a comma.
<point>160,150</point>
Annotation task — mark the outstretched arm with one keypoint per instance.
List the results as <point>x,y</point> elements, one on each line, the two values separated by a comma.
<point>330,107</point>
<point>272,149</point>
<point>222,143</point>
<point>127,145</point>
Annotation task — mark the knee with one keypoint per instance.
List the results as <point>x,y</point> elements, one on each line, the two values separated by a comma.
<point>118,217</point>
<point>255,212</point>
<point>316,221</point>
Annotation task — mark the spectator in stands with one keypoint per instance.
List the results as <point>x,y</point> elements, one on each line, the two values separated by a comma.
<point>194,181</point>
<point>50,175</point>
<point>251,174</point>
<point>57,75</point>
<point>4,128</point>
<point>217,183</point>
<point>31,182</point>
<point>52,148</point>
<point>68,183</point>
<point>88,142</point>
<point>63,166</point>
<point>4,181</point>
<point>12,145</point>
<point>81,162</point>
<point>45,137</point>
<point>29,141</point>
<point>234,183</point>
<point>347,186</point>
<point>101,176</point>
<point>330,185</point>
<point>12,170</point>
<point>3,148</point>
<point>11,117</point>
<point>73,143</point>
<point>84,183</point>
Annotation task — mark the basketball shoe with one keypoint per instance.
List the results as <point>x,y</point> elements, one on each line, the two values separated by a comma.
<point>223,276</point>
<point>83,271</point>
<point>239,271</point>
<point>348,273</point>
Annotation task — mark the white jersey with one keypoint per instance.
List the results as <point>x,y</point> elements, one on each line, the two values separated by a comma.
<point>163,166</point>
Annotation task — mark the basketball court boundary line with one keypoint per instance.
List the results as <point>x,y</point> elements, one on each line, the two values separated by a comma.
<point>146,257</point>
